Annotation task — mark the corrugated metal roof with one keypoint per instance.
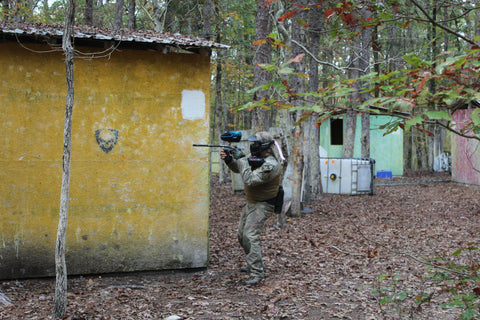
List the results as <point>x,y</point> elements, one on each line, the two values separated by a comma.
<point>102,34</point>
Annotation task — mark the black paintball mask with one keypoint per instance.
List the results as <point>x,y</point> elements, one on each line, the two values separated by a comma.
<point>258,146</point>
<point>260,143</point>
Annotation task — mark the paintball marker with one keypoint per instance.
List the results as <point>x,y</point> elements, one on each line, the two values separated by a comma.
<point>230,136</point>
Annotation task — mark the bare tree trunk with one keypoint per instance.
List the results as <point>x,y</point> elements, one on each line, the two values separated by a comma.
<point>30,6</point>
<point>351,115</point>
<point>312,185</point>
<point>207,31</point>
<point>477,19</point>
<point>220,112</point>
<point>364,64</point>
<point>413,154</point>
<point>6,10</point>
<point>359,66</point>
<point>21,10</point>
<point>60,264</point>
<point>286,121</point>
<point>422,150</point>
<point>298,86</point>
<point>298,163</point>
<point>432,88</point>
<point>365,135</point>
<point>89,12</point>
<point>207,18</point>
<point>131,15</point>
<point>118,20</point>
<point>431,147</point>
<point>159,15</point>
<point>46,10</point>
<point>394,49</point>
<point>261,119</point>
<point>283,54</point>
<point>350,127</point>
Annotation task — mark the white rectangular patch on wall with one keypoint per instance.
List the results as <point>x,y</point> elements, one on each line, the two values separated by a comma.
<point>193,104</point>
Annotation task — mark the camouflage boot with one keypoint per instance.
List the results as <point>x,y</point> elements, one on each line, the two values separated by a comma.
<point>253,280</point>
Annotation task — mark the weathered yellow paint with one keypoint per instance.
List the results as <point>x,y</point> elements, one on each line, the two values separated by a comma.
<point>141,206</point>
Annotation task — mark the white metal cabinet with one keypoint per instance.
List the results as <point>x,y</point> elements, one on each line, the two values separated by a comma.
<point>347,175</point>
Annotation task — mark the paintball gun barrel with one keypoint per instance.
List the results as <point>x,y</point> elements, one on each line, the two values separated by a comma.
<point>232,151</point>
<point>230,136</point>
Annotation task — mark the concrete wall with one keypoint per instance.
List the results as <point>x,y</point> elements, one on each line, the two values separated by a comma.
<point>139,195</point>
<point>386,150</point>
<point>465,152</point>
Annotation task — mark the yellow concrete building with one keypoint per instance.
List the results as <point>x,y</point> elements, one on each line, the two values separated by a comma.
<point>139,192</point>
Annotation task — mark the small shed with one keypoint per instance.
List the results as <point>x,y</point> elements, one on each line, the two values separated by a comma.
<point>139,193</point>
<point>386,150</point>
<point>465,152</point>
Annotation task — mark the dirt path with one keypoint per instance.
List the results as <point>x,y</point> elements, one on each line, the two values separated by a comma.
<point>324,265</point>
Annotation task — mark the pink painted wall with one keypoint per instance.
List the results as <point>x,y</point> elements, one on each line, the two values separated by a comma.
<point>465,152</point>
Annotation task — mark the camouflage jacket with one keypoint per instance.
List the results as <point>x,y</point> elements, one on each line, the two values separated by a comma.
<point>262,183</point>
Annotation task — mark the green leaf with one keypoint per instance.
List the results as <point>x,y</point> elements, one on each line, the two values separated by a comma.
<point>286,70</point>
<point>273,35</point>
<point>267,66</point>
<point>418,119</point>
<point>459,62</point>
<point>442,66</point>
<point>386,16</point>
<point>475,63</point>
<point>469,314</point>
<point>302,23</point>
<point>278,84</point>
<point>438,115</point>
<point>456,253</point>
<point>262,87</point>
<point>253,89</point>
<point>413,60</point>
<point>401,295</point>
<point>475,117</point>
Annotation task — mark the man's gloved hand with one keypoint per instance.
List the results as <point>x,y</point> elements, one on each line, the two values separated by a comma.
<point>226,156</point>
<point>237,154</point>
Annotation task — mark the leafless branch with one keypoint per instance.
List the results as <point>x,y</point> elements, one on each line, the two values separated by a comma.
<point>146,11</point>
<point>79,54</point>
<point>96,55</point>
<point>37,51</point>
<point>324,62</point>
<point>435,23</point>
<point>332,65</point>
<point>404,115</point>
<point>466,12</point>
<point>461,134</point>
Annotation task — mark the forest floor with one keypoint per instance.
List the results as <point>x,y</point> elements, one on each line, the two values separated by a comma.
<point>326,264</point>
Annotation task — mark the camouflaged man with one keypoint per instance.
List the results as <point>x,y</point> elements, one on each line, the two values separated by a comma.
<point>261,176</point>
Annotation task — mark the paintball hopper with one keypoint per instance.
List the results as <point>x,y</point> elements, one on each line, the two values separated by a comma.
<point>231,136</point>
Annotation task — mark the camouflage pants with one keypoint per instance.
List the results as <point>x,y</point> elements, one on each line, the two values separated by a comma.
<point>250,228</point>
